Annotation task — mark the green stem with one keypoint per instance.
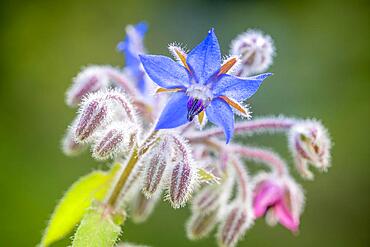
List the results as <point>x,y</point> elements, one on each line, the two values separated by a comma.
<point>132,161</point>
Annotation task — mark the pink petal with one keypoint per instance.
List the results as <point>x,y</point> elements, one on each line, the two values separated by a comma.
<point>267,195</point>
<point>285,217</point>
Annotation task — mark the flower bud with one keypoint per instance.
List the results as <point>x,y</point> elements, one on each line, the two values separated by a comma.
<point>207,199</point>
<point>69,145</point>
<point>121,107</point>
<point>93,114</point>
<point>280,199</point>
<point>255,51</point>
<point>155,170</point>
<point>142,207</point>
<point>200,225</point>
<point>310,143</point>
<point>183,175</point>
<point>90,79</point>
<point>112,141</point>
<point>238,220</point>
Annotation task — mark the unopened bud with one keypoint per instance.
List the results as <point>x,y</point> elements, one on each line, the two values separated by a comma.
<point>309,142</point>
<point>207,199</point>
<point>112,141</point>
<point>200,225</point>
<point>142,207</point>
<point>90,79</point>
<point>183,176</point>
<point>156,167</point>
<point>255,51</point>
<point>238,220</point>
<point>181,184</point>
<point>94,113</point>
<point>69,145</point>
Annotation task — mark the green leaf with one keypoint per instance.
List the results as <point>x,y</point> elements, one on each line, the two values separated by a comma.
<point>97,229</point>
<point>207,177</point>
<point>74,203</point>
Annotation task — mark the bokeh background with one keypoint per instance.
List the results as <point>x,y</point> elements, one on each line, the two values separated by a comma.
<point>321,70</point>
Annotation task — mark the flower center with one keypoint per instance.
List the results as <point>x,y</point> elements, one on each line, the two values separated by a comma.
<point>199,98</point>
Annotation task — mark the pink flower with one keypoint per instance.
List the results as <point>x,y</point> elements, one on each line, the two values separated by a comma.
<point>281,199</point>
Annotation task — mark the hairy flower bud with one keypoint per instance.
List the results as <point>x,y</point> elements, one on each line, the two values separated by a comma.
<point>93,114</point>
<point>238,220</point>
<point>112,141</point>
<point>69,145</point>
<point>309,143</point>
<point>155,170</point>
<point>255,51</point>
<point>142,207</point>
<point>90,79</point>
<point>183,175</point>
<point>200,225</point>
<point>207,199</point>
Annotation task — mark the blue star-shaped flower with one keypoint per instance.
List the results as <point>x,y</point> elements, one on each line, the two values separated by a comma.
<point>131,47</point>
<point>200,84</point>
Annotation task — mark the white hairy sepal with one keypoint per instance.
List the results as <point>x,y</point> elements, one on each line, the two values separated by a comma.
<point>237,221</point>
<point>90,79</point>
<point>156,171</point>
<point>112,141</point>
<point>309,143</point>
<point>207,199</point>
<point>176,47</point>
<point>255,50</point>
<point>235,68</point>
<point>101,108</point>
<point>200,225</point>
<point>183,177</point>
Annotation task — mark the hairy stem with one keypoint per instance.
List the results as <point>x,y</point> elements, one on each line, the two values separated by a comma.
<point>130,165</point>
<point>271,124</point>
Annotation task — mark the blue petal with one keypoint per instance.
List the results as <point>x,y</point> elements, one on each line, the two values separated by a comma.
<point>221,114</point>
<point>165,72</point>
<point>238,88</point>
<point>174,114</point>
<point>205,59</point>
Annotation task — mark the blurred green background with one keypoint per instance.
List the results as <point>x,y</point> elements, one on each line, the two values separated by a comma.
<point>321,70</point>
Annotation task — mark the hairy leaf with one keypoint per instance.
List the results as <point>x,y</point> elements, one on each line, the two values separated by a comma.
<point>74,203</point>
<point>97,229</point>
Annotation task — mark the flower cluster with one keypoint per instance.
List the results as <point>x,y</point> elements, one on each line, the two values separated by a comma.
<point>149,115</point>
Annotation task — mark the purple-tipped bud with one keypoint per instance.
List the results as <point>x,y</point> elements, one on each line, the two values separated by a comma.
<point>200,225</point>
<point>142,207</point>
<point>94,113</point>
<point>255,51</point>
<point>207,200</point>
<point>238,220</point>
<point>310,143</point>
<point>69,145</point>
<point>155,171</point>
<point>90,79</point>
<point>112,141</point>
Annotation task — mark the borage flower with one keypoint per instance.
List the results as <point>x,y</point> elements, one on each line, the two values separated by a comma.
<point>200,86</point>
<point>131,47</point>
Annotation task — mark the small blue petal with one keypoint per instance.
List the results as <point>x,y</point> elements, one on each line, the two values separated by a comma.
<point>205,59</point>
<point>174,114</point>
<point>221,114</point>
<point>165,72</point>
<point>238,88</point>
<point>141,28</point>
